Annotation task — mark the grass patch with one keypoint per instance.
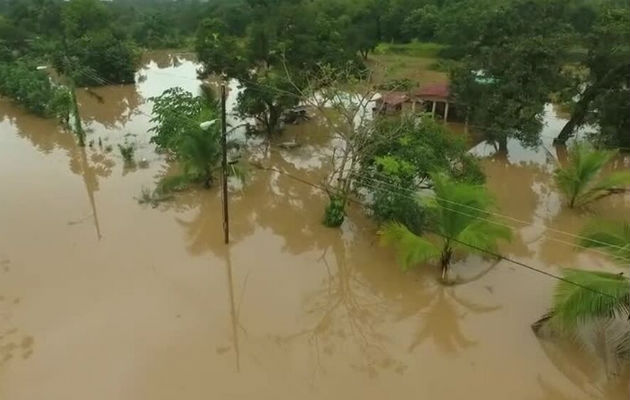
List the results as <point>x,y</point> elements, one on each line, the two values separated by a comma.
<point>416,62</point>
<point>413,49</point>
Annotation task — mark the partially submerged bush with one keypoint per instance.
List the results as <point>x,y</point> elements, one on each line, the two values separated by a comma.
<point>335,213</point>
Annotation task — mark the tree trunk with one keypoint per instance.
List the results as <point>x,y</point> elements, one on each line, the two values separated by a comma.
<point>445,261</point>
<point>577,116</point>
<point>581,108</point>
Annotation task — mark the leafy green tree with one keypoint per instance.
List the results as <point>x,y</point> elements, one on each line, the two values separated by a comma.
<point>459,214</point>
<point>177,118</point>
<point>582,180</point>
<point>405,152</point>
<point>91,50</point>
<point>603,91</point>
<point>422,23</point>
<point>30,87</point>
<point>265,98</point>
<point>511,69</point>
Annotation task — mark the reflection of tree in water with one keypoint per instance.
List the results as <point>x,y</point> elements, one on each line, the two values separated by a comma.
<point>346,310</point>
<point>440,320</point>
<point>167,59</point>
<point>112,106</point>
<point>46,136</point>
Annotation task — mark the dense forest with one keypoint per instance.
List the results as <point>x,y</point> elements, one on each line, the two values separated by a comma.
<point>505,60</point>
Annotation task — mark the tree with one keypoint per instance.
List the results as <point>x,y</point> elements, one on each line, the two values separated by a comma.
<point>459,214</point>
<point>511,69</point>
<point>265,97</point>
<point>582,180</point>
<point>406,151</point>
<point>603,91</point>
<point>90,45</point>
<point>588,297</point>
<point>607,297</point>
<point>178,115</point>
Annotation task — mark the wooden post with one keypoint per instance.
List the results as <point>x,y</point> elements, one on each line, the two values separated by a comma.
<point>446,112</point>
<point>433,109</point>
<point>226,219</point>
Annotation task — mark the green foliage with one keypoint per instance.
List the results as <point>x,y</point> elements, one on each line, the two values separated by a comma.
<point>265,99</point>
<point>404,152</point>
<point>414,48</point>
<point>411,249</point>
<point>610,236</point>
<point>520,51</point>
<point>177,116</point>
<point>32,89</point>
<point>176,112</point>
<point>459,214</point>
<point>127,152</point>
<point>334,214</point>
<point>582,180</point>
<point>607,298</point>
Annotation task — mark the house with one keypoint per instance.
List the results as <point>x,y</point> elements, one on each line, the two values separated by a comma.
<point>432,98</point>
<point>390,102</point>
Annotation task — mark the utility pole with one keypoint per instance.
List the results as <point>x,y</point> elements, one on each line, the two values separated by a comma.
<point>224,173</point>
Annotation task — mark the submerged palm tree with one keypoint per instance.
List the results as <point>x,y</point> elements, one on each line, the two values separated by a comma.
<point>588,296</point>
<point>582,180</point>
<point>459,216</point>
<point>200,153</point>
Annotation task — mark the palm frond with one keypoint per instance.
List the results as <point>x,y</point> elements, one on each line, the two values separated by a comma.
<point>581,179</point>
<point>483,234</point>
<point>611,236</point>
<point>411,249</point>
<point>607,296</point>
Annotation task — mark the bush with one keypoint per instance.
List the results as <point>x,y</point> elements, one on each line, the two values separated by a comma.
<point>30,88</point>
<point>335,213</point>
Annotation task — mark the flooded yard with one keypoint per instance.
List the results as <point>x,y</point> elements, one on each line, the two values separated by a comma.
<point>104,298</point>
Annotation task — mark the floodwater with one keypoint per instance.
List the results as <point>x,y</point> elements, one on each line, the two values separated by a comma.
<point>103,298</point>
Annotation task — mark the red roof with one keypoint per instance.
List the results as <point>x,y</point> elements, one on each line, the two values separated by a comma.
<point>394,98</point>
<point>439,90</point>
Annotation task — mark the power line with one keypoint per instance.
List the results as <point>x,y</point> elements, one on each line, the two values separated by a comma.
<point>102,80</point>
<point>400,193</point>
<point>507,217</point>
<point>480,249</point>
<point>497,255</point>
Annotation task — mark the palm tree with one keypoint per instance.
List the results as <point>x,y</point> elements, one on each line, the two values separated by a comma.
<point>582,180</point>
<point>587,296</point>
<point>610,236</point>
<point>459,216</point>
<point>200,153</point>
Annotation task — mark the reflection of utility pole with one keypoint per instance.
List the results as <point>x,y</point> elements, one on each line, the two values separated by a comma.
<point>89,181</point>
<point>78,128</point>
<point>233,310</point>
<point>226,223</point>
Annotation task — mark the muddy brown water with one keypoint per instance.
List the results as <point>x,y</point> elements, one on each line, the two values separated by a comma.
<point>102,298</point>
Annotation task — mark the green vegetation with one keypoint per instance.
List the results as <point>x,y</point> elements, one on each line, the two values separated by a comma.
<point>394,170</point>
<point>572,304</point>
<point>177,118</point>
<point>334,213</point>
<point>583,179</point>
<point>33,89</point>
<point>455,226</point>
<point>593,297</point>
